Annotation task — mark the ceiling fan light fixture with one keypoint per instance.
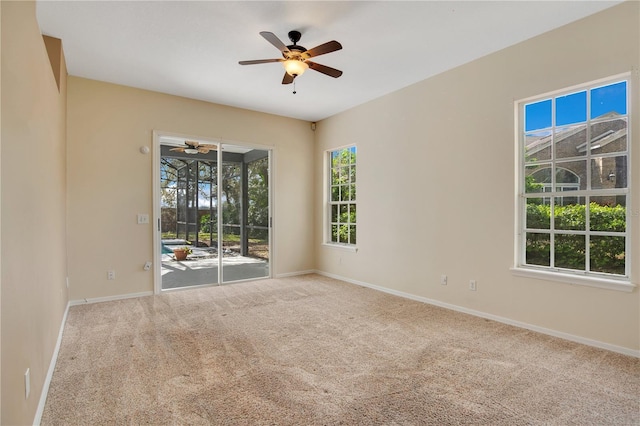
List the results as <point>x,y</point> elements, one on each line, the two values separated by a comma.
<point>295,67</point>
<point>190,151</point>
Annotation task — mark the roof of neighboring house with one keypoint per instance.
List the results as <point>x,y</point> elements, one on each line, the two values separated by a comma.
<point>542,139</point>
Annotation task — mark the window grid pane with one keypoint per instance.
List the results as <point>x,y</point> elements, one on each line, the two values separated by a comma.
<point>607,254</point>
<point>569,251</point>
<point>538,249</point>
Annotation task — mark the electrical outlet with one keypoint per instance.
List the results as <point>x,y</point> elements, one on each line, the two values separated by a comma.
<point>111,275</point>
<point>27,384</point>
<point>472,285</point>
<point>443,279</point>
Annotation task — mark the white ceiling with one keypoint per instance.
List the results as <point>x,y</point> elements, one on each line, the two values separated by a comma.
<point>192,48</point>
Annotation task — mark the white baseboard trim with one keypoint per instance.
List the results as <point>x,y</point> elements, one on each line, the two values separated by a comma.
<point>52,367</point>
<point>542,330</point>
<point>110,298</point>
<point>294,274</point>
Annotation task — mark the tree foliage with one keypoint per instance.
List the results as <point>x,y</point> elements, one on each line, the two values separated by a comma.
<point>258,185</point>
<point>258,198</point>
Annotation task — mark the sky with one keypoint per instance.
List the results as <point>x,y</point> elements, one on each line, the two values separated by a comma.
<point>572,108</point>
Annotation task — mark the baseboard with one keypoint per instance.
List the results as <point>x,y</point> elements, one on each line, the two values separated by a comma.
<point>294,274</point>
<point>542,330</point>
<point>52,367</point>
<point>110,298</point>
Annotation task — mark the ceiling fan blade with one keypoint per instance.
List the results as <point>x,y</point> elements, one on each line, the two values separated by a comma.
<point>287,79</point>
<point>328,47</point>
<point>332,72</point>
<point>273,39</point>
<point>204,149</point>
<point>259,61</point>
<point>181,149</point>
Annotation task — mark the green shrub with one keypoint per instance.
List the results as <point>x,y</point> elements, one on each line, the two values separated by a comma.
<point>538,216</point>
<point>607,253</point>
<point>205,223</point>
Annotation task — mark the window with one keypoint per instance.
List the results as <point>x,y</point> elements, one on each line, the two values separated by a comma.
<point>575,141</point>
<point>342,196</point>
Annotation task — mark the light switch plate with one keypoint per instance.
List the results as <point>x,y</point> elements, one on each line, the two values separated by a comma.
<point>143,218</point>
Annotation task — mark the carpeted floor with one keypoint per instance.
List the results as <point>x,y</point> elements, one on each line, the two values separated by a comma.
<point>310,350</point>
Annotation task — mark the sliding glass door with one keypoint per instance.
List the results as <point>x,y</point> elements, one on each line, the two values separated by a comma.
<point>245,210</point>
<point>210,233</point>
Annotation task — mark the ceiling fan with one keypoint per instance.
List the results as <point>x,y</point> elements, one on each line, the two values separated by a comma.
<point>193,147</point>
<point>295,58</point>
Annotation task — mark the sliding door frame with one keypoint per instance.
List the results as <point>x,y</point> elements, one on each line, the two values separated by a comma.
<point>157,235</point>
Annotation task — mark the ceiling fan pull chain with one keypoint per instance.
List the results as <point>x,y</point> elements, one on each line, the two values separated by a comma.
<point>294,87</point>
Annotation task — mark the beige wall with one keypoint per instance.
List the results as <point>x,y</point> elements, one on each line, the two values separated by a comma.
<point>436,182</point>
<point>110,181</point>
<point>34,294</point>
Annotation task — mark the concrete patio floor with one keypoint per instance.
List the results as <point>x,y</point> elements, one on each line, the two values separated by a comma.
<point>202,269</point>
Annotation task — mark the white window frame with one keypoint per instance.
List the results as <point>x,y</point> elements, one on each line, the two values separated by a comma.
<point>588,278</point>
<point>328,168</point>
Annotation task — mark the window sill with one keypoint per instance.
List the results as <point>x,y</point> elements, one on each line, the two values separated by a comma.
<point>606,283</point>
<point>344,247</point>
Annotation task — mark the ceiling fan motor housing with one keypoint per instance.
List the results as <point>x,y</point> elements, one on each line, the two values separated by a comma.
<point>294,36</point>
<point>294,48</point>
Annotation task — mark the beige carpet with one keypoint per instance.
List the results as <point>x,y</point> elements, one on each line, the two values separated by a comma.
<point>315,351</point>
